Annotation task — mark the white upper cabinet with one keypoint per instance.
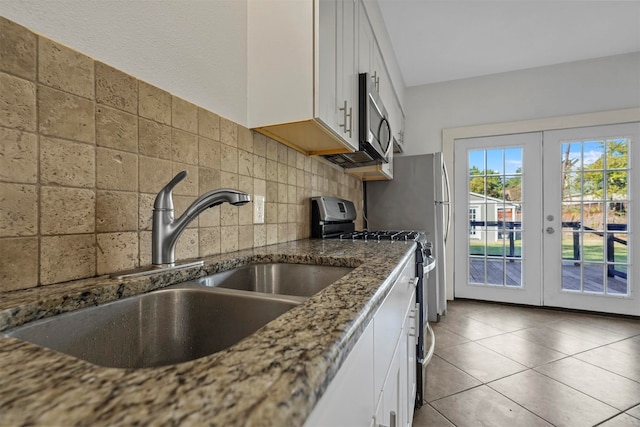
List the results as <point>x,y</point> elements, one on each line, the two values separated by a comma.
<point>302,73</point>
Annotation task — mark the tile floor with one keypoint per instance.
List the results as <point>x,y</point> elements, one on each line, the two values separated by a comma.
<point>502,365</point>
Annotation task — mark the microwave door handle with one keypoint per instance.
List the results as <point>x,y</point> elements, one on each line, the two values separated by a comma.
<point>388,127</point>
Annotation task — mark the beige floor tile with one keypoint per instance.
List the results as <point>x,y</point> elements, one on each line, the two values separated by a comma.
<point>583,330</point>
<point>553,401</point>
<point>522,351</point>
<point>512,319</point>
<point>629,346</point>
<point>471,329</point>
<point>556,340</point>
<point>444,379</point>
<point>622,420</point>
<point>446,338</point>
<point>429,417</point>
<point>482,406</point>
<point>634,412</point>
<point>620,326</point>
<point>625,364</point>
<point>610,388</point>
<point>480,362</point>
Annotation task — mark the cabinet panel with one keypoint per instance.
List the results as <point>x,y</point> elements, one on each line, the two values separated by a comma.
<point>349,399</point>
<point>389,320</point>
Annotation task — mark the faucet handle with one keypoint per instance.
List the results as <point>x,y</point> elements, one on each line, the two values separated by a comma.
<point>164,199</point>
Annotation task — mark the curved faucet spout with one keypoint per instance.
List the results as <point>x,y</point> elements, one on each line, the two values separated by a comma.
<point>166,230</point>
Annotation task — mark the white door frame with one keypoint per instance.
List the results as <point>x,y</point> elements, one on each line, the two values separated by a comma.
<point>562,122</point>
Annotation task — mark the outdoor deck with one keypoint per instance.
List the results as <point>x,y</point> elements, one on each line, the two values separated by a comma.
<point>593,276</point>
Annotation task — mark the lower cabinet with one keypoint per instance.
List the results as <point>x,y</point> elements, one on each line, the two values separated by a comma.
<point>376,384</point>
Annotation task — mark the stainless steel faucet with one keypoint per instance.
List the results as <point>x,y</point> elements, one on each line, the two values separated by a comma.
<point>166,229</point>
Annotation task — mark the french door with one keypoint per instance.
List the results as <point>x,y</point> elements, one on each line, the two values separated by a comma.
<point>550,218</point>
<point>498,248</point>
<point>590,248</point>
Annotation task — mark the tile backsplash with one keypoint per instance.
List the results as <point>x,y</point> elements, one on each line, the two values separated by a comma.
<point>84,148</point>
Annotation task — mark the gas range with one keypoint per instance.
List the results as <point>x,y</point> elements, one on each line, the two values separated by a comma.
<point>381,235</point>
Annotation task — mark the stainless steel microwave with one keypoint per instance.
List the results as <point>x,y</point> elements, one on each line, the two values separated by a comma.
<point>375,131</point>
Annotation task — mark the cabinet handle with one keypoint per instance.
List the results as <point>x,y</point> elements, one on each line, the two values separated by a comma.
<point>413,281</point>
<point>392,420</point>
<point>347,117</point>
<point>376,80</point>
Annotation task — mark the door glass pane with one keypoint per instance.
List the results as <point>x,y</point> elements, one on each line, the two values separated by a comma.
<point>495,216</point>
<point>595,195</point>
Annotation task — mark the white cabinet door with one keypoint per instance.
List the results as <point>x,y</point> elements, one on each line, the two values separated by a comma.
<point>347,71</point>
<point>349,399</point>
<point>327,100</point>
<point>391,405</point>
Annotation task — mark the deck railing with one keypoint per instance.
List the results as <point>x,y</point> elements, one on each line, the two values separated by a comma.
<point>512,228</point>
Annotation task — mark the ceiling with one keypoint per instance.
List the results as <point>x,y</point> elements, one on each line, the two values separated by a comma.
<point>441,40</point>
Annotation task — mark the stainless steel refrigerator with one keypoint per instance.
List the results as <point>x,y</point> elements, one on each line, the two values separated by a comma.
<point>416,199</point>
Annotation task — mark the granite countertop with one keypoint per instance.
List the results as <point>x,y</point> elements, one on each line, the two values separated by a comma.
<point>273,377</point>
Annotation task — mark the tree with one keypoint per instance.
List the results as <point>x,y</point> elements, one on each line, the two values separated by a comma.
<point>491,180</point>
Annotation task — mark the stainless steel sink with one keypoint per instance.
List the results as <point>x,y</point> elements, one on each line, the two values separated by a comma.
<point>302,280</point>
<point>163,327</point>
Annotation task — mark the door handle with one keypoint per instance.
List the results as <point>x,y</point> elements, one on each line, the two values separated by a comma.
<point>550,230</point>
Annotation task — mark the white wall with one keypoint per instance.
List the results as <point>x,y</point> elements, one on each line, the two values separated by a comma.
<point>573,88</point>
<point>195,49</point>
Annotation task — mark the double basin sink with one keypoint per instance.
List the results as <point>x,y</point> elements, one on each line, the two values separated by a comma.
<point>181,322</point>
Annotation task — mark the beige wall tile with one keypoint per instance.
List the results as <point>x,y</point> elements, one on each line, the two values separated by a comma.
<point>271,213</point>
<point>154,103</point>
<point>210,218</point>
<point>228,180</point>
<point>17,103</point>
<point>153,174</point>
<point>272,234</point>
<point>116,89</point>
<point>228,158</point>
<point>154,139</point>
<point>259,144</point>
<point>187,246</point>
<point>283,193</point>
<point>184,147</point>
<point>65,116</point>
<point>116,252</point>
<point>208,179</point>
<point>145,211</point>
<point>18,155</point>
<point>117,170</point>
<point>209,241</point>
<point>67,210</point>
<point>228,214</point>
<point>116,211</point>
<point>259,235</point>
<point>272,149</point>
<point>184,115</point>
<point>18,210</point>
<point>283,214</point>
<point>208,124</point>
<point>282,153</point>
<point>228,132</point>
<point>292,175</point>
<point>64,258</point>
<point>18,49</point>
<point>144,245</point>
<point>19,266</point>
<point>66,69</point>
<point>245,236</point>
<point>245,139</point>
<point>116,129</point>
<point>188,186</point>
<point>283,173</point>
<point>245,163</point>
<point>272,170</point>
<point>67,163</point>
<point>208,153</point>
<point>292,157</point>
<point>259,167</point>
<point>229,238</point>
